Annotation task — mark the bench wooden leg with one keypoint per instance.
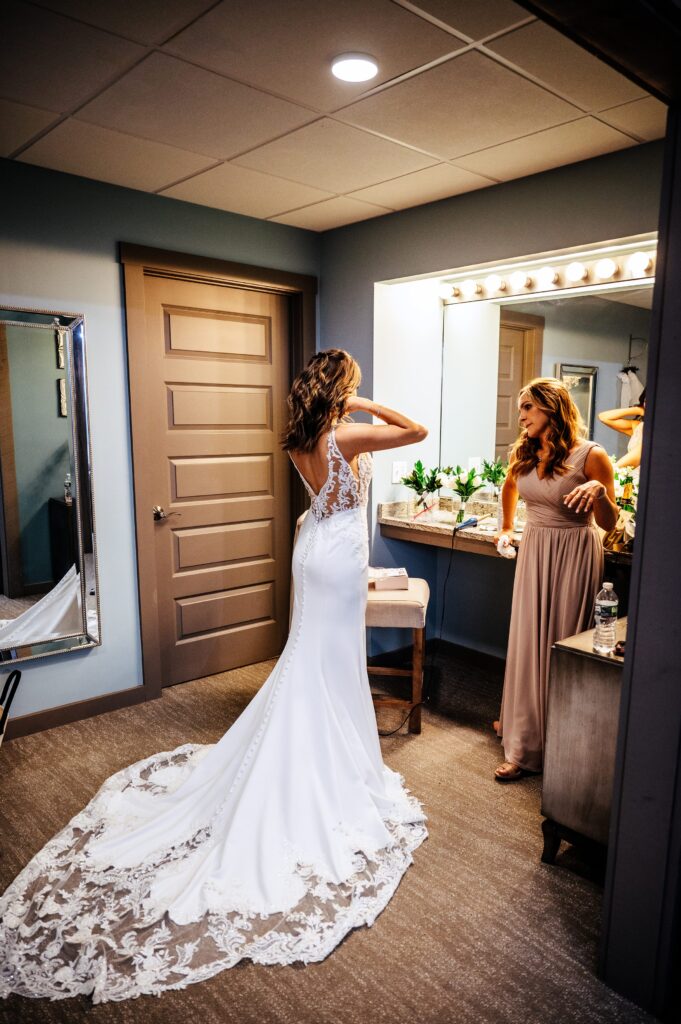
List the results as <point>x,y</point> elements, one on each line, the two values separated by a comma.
<point>417,680</point>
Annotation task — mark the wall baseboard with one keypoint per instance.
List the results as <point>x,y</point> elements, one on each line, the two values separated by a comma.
<point>38,721</point>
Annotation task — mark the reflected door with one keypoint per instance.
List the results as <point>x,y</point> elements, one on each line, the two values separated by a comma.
<point>520,349</point>
<point>208,393</point>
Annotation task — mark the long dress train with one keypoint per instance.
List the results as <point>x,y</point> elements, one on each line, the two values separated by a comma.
<point>269,845</point>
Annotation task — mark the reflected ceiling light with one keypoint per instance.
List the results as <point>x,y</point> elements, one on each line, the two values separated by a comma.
<point>354,67</point>
<point>547,276</point>
<point>520,279</point>
<point>576,272</point>
<point>606,268</point>
<point>470,288</point>
<point>494,283</point>
<point>640,263</point>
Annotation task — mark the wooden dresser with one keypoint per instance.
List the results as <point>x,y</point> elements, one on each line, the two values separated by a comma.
<point>581,737</point>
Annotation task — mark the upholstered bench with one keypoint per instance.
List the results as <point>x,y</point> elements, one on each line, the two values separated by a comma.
<point>402,609</point>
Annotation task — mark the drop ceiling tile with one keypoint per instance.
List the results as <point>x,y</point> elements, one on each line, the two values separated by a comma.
<point>19,123</point>
<point>476,19</point>
<point>334,157</point>
<point>563,65</point>
<point>542,151</point>
<point>331,214</point>
<point>176,103</point>
<point>151,22</point>
<point>239,190</point>
<point>458,107</point>
<point>92,152</point>
<point>646,118</point>
<point>293,56</point>
<point>54,62</point>
<point>425,186</point>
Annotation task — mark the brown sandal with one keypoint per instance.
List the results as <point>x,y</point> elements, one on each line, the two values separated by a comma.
<point>514,773</point>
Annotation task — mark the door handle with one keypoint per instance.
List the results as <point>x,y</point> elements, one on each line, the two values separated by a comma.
<point>160,513</point>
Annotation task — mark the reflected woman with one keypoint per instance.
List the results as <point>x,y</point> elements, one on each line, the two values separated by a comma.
<point>566,483</point>
<point>630,422</point>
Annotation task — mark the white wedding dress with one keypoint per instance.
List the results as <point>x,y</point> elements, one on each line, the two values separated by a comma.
<point>269,845</point>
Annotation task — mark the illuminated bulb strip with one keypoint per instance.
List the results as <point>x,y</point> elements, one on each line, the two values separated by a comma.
<point>571,276</point>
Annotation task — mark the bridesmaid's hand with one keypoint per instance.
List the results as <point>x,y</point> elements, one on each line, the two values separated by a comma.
<point>582,498</point>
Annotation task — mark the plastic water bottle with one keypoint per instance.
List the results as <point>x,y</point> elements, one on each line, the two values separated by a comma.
<point>605,615</point>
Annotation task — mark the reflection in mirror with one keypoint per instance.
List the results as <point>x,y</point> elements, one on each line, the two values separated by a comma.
<point>48,569</point>
<point>491,350</point>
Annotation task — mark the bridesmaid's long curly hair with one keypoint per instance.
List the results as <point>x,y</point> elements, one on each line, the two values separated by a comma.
<point>319,397</point>
<point>565,428</point>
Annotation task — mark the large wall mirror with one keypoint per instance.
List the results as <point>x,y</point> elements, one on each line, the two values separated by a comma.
<point>49,599</point>
<point>592,334</point>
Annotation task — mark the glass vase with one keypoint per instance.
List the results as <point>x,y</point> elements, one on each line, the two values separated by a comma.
<point>461,514</point>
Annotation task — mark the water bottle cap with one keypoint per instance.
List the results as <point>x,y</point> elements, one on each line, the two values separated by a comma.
<point>607,586</point>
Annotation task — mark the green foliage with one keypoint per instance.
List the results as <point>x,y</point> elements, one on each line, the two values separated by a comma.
<point>422,480</point>
<point>494,472</point>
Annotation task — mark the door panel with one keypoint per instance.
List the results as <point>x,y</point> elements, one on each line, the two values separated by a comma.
<point>217,373</point>
<point>520,350</point>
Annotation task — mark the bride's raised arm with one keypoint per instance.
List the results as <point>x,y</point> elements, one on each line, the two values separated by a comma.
<point>395,431</point>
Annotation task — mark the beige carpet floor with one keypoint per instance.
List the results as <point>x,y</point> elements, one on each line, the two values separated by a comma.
<point>479,930</point>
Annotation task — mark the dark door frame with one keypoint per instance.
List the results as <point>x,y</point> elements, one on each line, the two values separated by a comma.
<point>641,937</point>
<point>139,261</point>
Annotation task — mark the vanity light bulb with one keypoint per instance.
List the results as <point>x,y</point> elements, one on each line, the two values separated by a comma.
<point>494,283</point>
<point>547,276</point>
<point>606,268</point>
<point>640,263</point>
<point>576,272</point>
<point>519,280</point>
<point>445,292</point>
<point>469,288</point>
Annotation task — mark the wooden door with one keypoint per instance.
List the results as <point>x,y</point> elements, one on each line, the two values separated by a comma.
<point>209,376</point>
<point>520,349</point>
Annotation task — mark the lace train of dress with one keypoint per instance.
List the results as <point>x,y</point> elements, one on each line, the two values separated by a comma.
<point>269,845</point>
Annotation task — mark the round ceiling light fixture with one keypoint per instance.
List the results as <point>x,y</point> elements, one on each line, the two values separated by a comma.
<point>354,67</point>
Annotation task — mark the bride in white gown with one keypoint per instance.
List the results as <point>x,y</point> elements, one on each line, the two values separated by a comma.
<point>274,842</point>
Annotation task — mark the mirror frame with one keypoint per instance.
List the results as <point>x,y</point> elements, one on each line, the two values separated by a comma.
<point>70,328</point>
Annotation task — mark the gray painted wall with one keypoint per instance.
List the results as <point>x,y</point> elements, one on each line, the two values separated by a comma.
<point>607,198</point>
<point>59,237</point>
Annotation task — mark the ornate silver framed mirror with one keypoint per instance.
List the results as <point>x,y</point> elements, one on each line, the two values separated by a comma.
<point>49,594</point>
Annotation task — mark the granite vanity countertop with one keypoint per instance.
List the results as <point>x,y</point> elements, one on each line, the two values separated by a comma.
<point>394,513</point>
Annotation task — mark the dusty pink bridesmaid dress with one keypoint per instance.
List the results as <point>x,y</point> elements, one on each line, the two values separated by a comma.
<point>558,574</point>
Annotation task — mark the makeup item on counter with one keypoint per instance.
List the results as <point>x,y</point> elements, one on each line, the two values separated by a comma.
<point>68,494</point>
<point>504,546</point>
<point>605,616</point>
<point>388,579</point>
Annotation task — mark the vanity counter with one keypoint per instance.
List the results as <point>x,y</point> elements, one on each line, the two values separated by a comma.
<point>424,530</point>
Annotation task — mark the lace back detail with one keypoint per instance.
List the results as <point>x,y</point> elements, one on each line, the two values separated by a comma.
<point>342,490</point>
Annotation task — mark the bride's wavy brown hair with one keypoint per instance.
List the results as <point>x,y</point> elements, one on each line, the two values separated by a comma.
<point>565,428</point>
<point>319,397</point>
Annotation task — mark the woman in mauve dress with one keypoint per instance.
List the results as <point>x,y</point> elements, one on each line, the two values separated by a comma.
<point>566,483</point>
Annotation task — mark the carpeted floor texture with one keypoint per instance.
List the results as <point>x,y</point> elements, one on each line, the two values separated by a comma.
<point>479,930</point>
